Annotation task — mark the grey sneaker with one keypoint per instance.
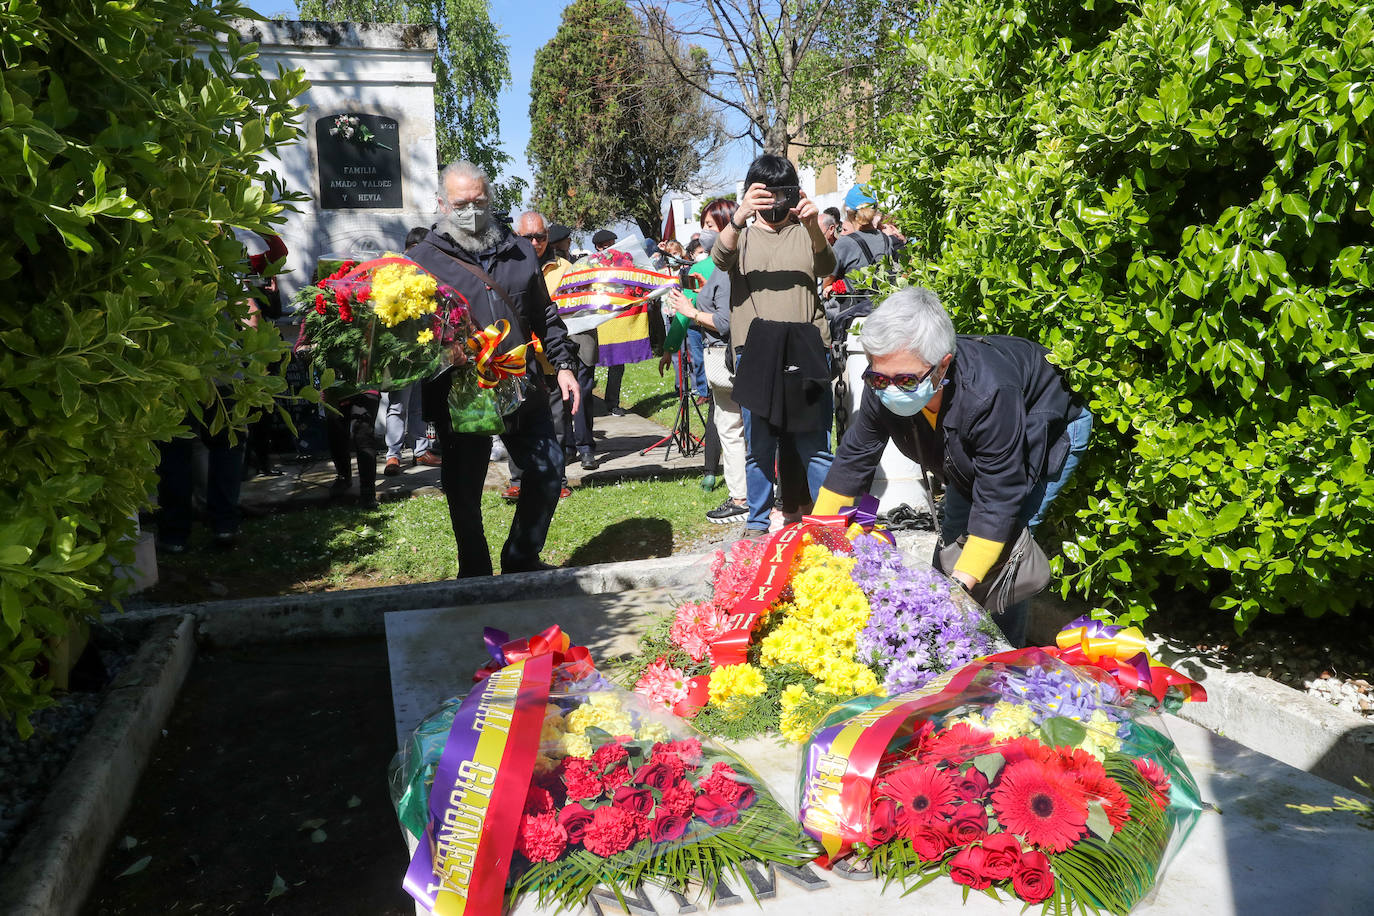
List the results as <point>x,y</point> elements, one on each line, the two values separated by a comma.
<point>727,513</point>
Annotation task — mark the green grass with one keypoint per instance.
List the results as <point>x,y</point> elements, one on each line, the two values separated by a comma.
<point>646,392</point>
<point>317,549</point>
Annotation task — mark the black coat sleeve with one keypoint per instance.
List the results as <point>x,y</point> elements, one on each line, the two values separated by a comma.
<point>996,440</point>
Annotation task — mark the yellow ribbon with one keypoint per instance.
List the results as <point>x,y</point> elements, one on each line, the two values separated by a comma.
<point>1126,644</point>
<point>492,366</point>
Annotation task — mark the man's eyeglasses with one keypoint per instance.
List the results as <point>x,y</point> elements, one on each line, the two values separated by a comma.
<point>464,205</point>
<point>905,381</point>
<point>534,236</point>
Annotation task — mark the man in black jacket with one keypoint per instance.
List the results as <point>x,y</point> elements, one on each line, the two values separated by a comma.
<point>989,416</point>
<point>498,273</point>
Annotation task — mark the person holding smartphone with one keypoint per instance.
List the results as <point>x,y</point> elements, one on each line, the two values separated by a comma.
<point>773,250</point>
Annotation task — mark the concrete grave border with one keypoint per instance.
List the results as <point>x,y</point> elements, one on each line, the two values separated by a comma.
<point>54,866</point>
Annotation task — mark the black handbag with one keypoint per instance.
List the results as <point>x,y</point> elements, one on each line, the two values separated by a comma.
<point>1022,572</point>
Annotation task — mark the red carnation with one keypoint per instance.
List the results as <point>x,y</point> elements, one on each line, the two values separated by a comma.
<point>636,801</point>
<point>715,810</point>
<point>723,782</point>
<point>319,303</point>
<point>1033,881</point>
<point>345,313</point>
<point>575,819</point>
<point>538,801</point>
<point>610,830</point>
<point>968,824</point>
<point>967,868</point>
<point>971,786</point>
<point>616,778</point>
<point>608,755</point>
<point>667,827</point>
<point>580,779</point>
<point>688,750</point>
<point>679,798</point>
<point>1002,855</point>
<point>541,838</point>
<point>930,842</point>
<point>882,821</point>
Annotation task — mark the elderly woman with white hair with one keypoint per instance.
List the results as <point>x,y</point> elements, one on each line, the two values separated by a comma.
<point>987,415</point>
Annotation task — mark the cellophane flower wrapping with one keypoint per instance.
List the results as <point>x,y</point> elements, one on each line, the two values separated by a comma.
<point>1033,778</point>
<point>623,793</point>
<point>854,616</point>
<point>380,324</point>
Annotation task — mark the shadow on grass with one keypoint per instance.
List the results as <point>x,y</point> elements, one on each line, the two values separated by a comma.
<point>631,539</point>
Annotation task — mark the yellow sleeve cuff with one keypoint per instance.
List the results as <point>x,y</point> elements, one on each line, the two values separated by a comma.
<point>978,556</point>
<point>828,502</point>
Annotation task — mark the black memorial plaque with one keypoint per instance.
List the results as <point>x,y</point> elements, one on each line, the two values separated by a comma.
<point>360,162</point>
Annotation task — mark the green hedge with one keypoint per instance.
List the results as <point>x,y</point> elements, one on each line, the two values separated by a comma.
<point>123,160</point>
<point>1174,198</point>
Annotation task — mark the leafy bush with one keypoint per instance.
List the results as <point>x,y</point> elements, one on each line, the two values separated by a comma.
<point>123,158</point>
<point>1174,198</point>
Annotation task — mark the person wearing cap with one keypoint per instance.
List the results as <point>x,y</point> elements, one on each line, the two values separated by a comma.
<point>865,246</point>
<point>602,240</point>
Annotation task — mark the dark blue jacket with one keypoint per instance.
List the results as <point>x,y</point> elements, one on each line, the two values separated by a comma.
<point>1001,430</point>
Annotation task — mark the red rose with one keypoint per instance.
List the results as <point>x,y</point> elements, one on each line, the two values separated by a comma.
<point>575,819</point>
<point>608,755</point>
<point>616,778</point>
<point>679,798</point>
<point>538,801</point>
<point>657,774</point>
<point>967,868</point>
<point>636,801</point>
<point>319,303</point>
<point>1033,881</point>
<point>667,827</point>
<point>968,824</point>
<point>1002,856</point>
<point>714,810</point>
<point>882,822</point>
<point>611,830</point>
<point>542,838</point>
<point>972,786</point>
<point>580,779</point>
<point>930,843</point>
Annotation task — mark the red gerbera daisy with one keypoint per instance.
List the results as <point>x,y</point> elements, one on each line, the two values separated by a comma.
<point>1156,778</point>
<point>956,744</point>
<point>1045,807</point>
<point>1114,801</point>
<point>923,793</point>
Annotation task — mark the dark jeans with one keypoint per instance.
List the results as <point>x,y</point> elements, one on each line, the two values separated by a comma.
<point>176,481</point>
<point>532,445</point>
<point>583,436</point>
<point>614,376</point>
<point>354,426</point>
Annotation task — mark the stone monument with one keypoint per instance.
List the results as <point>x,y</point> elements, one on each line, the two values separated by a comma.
<point>367,160</point>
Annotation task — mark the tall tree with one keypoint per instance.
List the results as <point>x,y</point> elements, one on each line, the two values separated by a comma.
<point>471,67</point>
<point>612,126</point>
<point>816,74</point>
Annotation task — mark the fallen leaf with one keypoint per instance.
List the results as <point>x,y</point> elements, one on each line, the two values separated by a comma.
<point>128,843</point>
<point>318,836</point>
<point>136,867</point>
<point>354,801</point>
<point>278,887</point>
<point>315,823</point>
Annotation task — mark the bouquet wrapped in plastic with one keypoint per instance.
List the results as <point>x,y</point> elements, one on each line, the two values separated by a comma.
<point>388,322</point>
<point>817,612</point>
<point>551,781</point>
<point>1017,774</point>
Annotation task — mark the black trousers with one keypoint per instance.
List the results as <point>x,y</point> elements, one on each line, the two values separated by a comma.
<point>353,429</point>
<point>533,447</point>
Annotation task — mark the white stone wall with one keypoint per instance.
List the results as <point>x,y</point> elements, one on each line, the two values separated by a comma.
<point>353,68</point>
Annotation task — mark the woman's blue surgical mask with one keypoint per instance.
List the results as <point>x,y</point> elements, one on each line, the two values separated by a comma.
<point>907,403</point>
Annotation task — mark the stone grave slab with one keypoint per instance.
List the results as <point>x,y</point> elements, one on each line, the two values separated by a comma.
<point>1247,856</point>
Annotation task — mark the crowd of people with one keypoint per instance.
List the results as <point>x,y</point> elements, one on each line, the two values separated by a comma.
<point>771,287</point>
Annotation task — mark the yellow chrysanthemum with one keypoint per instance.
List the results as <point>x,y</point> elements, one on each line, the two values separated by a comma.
<point>424,337</point>
<point>735,681</point>
<point>401,292</point>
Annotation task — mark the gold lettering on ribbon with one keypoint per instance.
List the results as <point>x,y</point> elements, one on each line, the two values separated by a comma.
<point>456,843</point>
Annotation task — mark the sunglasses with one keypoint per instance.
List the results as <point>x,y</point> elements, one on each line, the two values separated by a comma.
<point>905,381</point>
<point>535,236</point>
